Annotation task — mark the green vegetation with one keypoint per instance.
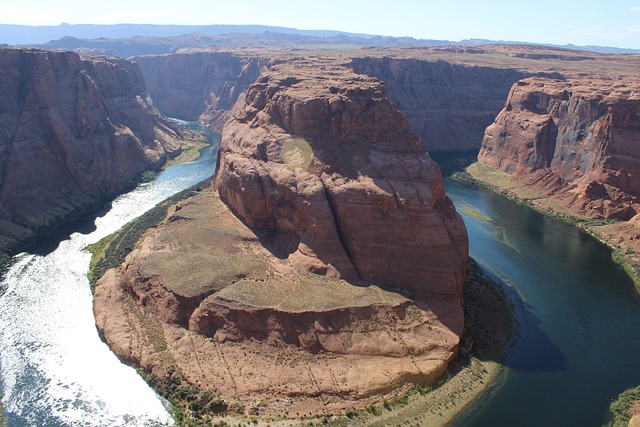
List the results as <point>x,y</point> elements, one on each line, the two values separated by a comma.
<point>190,406</point>
<point>148,176</point>
<point>111,251</point>
<point>191,150</point>
<point>474,213</point>
<point>631,266</point>
<point>620,409</point>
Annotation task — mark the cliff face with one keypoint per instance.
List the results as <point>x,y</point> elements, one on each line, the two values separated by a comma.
<point>332,165</point>
<point>577,141</point>
<point>200,85</point>
<point>73,130</point>
<point>448,105</point>
<point>342,283</point>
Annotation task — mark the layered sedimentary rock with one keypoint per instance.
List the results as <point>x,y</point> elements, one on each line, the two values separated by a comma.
<point>335,276</point>
<point>448,105</point>
<point>199,85</point>
<point>73,130</point>
<point>577,140</point>
<point>329,162</point>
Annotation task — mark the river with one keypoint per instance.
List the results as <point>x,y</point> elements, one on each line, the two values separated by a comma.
<point>579,317</point>
<point>54,369</point>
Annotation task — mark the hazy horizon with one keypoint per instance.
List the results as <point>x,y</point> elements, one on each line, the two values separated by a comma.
<point>615,24</point>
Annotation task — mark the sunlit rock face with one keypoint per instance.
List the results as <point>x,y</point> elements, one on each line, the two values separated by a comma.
<point>325,158</point>
<point>73,130</point>
<point>577,140</point>
<point>328,265</point>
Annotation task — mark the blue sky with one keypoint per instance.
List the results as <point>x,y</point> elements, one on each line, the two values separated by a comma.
<point>606,23</point>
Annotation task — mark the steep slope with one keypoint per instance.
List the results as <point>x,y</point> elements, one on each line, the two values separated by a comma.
<point>342,283</point>
<point>449,105</point>
<point>330,163</point>
<point>577,141</point>
<point>73,130</point>
<point>199,85</point>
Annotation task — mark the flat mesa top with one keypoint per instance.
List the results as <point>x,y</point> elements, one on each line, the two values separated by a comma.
<point>528,58</point>
<point>203,249</point>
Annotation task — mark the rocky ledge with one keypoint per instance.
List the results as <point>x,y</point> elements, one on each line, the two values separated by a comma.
<point>327,272</point>
<point>576,141</point>
<point>74,130</point>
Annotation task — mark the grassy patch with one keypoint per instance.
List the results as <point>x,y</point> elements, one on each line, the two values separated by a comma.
<point>628,264</point>
<point>191,150</point>
<point>111,251</point>
<point>474,213</point>
<point>190,406</point>
<point>620,409</point>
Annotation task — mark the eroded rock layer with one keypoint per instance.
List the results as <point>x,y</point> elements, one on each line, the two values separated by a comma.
<point>321,155</point>
<point>199,85</point>
<point>205,298</point>
<point>577,140</point>
<point>448,105</point>
<point>342,282</point>
<point>73,130</point>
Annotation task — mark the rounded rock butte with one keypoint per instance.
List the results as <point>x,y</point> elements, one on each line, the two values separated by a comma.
<point>323,270</point>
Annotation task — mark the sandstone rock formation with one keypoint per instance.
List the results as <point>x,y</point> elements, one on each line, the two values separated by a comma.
<point>73,130</point>
<point>576,140</point>
<point>342,283</point>
<point>330,163</point>
<point>449,105</point>
<point>199,85</point>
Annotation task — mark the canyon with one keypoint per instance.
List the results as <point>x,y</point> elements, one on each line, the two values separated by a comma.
<point>327,257</point>
<point>283,172</point>
<point>569,147</point>
<point>332,273</point>
<point>74,131</point>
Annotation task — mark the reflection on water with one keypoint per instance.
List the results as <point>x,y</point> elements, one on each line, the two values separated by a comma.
<point>54,368</point>
<point>577,312</point>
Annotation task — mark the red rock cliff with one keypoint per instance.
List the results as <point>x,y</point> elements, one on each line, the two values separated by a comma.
<point>72,130</point>
<point>331,180</point>
<point>199,85</point>
<point>448,105</point>
<point>324,158</point>
<point>578,141</point>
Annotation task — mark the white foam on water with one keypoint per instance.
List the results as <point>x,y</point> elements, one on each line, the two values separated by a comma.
<point>55,369</point>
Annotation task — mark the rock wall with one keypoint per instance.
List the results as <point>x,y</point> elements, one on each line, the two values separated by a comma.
<point>322,155</point>
<point>73,130</point>
<point>448,105</point>
<point>199,85</point>
<point>577,140</point>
